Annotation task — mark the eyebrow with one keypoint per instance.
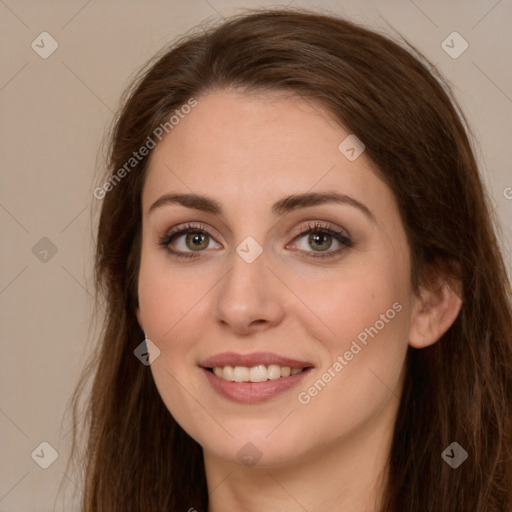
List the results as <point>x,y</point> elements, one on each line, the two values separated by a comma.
<point>285,205</point>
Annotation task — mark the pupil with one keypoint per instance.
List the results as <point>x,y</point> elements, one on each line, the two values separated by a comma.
<point>197,241</point>
<point>322,241</point>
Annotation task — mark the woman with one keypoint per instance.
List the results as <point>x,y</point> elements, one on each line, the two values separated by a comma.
<point>294,222</point>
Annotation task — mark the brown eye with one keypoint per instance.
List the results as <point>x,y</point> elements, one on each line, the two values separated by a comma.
<point>186,240</point>
<point>320,241</point>
<point>196,241</point>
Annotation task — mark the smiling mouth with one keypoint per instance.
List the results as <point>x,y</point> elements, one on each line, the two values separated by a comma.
<point>253,378</point>
<point>258,373</point>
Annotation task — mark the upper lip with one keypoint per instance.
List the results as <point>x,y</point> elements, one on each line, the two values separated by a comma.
<point>250,360</point>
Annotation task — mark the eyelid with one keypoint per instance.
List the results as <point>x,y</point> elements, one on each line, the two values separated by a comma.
<point>321,225</point>
<point>188,226</point>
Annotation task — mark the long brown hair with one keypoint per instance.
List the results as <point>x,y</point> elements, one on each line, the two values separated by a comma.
<point>459,389</point>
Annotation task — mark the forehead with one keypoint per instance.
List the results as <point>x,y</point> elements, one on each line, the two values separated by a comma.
<point>248,147</point>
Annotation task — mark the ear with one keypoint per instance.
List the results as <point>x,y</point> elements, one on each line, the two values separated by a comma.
<point>434,312</point>
<point>139,317</point>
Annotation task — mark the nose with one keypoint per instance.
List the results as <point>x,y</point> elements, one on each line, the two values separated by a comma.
<point>249,298</point>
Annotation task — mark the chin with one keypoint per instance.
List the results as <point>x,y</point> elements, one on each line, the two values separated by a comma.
<point>258,452</point>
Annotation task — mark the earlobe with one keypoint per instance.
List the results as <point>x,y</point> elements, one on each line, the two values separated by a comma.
<point>436,311</point>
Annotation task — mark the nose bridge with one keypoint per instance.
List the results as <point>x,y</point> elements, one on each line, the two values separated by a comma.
<point>247,271</point>
<point>246,296</point>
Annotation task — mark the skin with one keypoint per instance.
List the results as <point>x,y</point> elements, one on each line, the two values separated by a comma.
<point>247,152</point>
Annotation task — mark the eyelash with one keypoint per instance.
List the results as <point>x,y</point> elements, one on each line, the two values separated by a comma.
<point>315,227</point>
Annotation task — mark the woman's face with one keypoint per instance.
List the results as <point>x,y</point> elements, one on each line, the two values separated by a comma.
<point>278,257</point>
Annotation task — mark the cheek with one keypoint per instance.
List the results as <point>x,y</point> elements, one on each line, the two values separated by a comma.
<point>366,355</point>
<point>167,296</point>
<point>358,300</point>
<point>174,309</point>
<point>169,306</point>
<point>367,312</point>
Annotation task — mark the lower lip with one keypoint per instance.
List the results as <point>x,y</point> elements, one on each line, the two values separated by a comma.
<point>253,392</point>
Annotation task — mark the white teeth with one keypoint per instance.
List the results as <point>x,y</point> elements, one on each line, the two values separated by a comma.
<point>259,373</point>
<point>228,373</point>
<point>241,374</point>
<point>273,371</point>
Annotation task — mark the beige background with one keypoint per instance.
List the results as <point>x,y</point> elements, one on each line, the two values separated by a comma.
<point>54,112</point>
